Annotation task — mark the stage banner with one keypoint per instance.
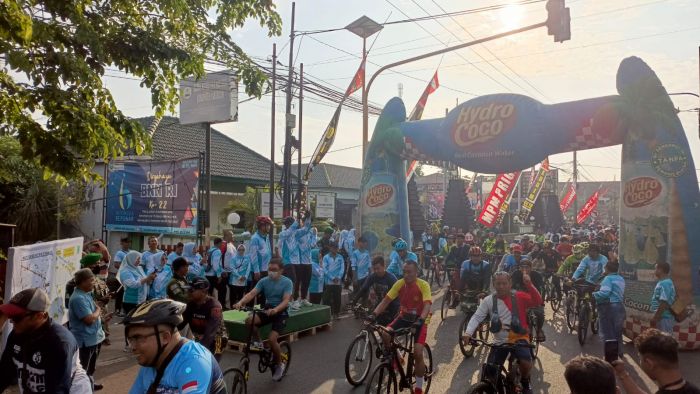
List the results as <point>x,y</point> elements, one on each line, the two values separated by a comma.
<point>568,198</point>
<point>534,191</point>
<point>47,265</point>
<point>417,114</point>
<point>588,207</point>
<point>500,193</point>
<point>153,196</point>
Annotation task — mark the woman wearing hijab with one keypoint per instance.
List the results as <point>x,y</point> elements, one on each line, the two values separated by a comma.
<point>240,268</point>
<point>134,280</point>
<point>164,273</point>
<point>196,270</point>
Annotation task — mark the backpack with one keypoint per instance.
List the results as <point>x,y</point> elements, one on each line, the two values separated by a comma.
<point>515,325</point>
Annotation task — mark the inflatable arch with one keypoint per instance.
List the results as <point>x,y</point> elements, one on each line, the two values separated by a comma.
<point>660,211</point>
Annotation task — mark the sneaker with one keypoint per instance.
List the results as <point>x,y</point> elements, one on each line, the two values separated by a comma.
<point>294,305</point>
<point>277,376</point>
<point>257,345</point>
<point>306,302</point>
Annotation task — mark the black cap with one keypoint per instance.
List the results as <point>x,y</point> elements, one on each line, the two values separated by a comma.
<point>199,284</point>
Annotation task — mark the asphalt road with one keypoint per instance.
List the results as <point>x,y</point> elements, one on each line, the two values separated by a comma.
<point>317,361</point>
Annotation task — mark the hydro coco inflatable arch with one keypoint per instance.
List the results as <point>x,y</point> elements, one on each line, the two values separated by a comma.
<point>660,210</point>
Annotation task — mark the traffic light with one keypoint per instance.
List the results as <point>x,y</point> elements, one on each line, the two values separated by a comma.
<point>558,20</point>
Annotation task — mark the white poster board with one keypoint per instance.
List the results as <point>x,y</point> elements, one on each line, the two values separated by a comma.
<point>325,205</point>
<point>211,99</point>
<point>265,205</point>
<point>48,265</point>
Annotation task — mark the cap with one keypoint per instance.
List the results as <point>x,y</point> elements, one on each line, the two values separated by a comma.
<point>90,259</point>
<point>27,300</point>
<point>199,284</point>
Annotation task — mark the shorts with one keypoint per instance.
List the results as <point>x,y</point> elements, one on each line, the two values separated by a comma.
<point>278,321</point>
<point>499,356</point>
<point>420,335</point>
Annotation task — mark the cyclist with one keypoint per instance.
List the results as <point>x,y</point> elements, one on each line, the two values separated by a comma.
<point>205,316</point>
<point>525,268</point>
<point>474,274</point>
<point>510,262</point>
<point>552,260</point>
<point>593,265</point>
<point>398,259</point>
<point>458,254</point>
<point>565,247</point>
<point>569,265</point>
<point>169,363</point>
<point>490,243</point>
<point>380,281</point>
<point>278,291</point>
<point>415,301</point>
<point>507,310</point>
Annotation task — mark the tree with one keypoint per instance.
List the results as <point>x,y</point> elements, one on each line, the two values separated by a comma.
<point>56,52</point>
<point>245,204</point>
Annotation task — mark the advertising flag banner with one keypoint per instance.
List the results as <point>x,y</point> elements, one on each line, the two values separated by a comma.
<point>588,207</point>
<point>534,191</point>
<point>417,114</point>
<point>568,198</point>
<point>358,80</point>
<point>500,193</point>
<point>153,196</point>
<point>504,208</point>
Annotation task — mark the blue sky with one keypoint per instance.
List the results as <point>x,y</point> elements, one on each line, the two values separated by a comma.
<point>665,33</point>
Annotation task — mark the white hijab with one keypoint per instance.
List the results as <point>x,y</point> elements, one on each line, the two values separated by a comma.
<point>131,259</point>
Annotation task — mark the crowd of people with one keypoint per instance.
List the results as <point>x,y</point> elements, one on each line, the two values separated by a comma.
<point>172,304</point>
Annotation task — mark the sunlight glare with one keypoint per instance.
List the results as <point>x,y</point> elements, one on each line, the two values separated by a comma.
<point>511,17</point>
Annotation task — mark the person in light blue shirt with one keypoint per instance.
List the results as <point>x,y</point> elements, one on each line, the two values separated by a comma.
<point>593,265</point>
<point>112,280</point>
<point>302,266</point>
<point>163,276</point>
<point>259,248</point>
<point>361,263</point>
<point>333,266</point>
<point>146,261</point>
<point>350,241</point>
<point>214,271</point>
<point>240,268</point>
<point>397,260</point>
<point>179,248</point>
<point>85,322</point>
<point>134,280</point>
<point>317,278</point>
<point>288,246</point>
<point>610,304</point>
<point>662,298</point>
<point>190,254</point>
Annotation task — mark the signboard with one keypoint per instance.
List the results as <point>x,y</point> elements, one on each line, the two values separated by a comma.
<point>211,99</point>
<point>265,205</point>
<point>325,205</point>
<point>153,197</point>
<point>47,265</point>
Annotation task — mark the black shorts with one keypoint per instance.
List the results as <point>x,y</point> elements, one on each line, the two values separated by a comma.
<point>278,321</point>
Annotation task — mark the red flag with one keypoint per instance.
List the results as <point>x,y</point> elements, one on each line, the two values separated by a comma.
<point>568,199</point>
<point>500,193</point>
<point>358,80</point>
<point>589,207</point>
<point>417,114</point>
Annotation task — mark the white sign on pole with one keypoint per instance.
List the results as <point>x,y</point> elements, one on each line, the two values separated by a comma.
<point>48,265</point>
<point>211,99</point>
<point>325,205</point>
<point>265,205</point>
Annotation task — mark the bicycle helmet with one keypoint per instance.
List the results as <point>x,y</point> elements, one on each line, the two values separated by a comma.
<point>547,244</point>
<point>152,313</point>
<point>262,220</point>
<point>517,248</point>
<point>475,251</point>
<point>400,245</point>
<point>469,237</point>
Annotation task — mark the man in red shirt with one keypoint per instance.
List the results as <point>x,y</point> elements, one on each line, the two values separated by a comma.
<point>565,248</point>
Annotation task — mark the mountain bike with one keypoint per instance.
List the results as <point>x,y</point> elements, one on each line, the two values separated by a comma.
<point>532,324</point>
<point>469,305</point>
<point>586,312</point>
<point>362,350</point>
<point>450,296</point>
<point>570,309</point>
<point>236,379</point>
<point>495,378</point>
<point>551,293</point>
<point>390,376</point>
<point>435,271</point>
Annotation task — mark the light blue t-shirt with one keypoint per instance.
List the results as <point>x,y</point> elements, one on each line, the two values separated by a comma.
<point>274,290</point>
<point>612,289</point>
<point>192,370</point>
<point>664,291</point>
<point>147,262</point>
<point>172,256</point>
<point>239,267</point>
<point>117,259</point>
<point>288,244</point>
<point>80,305</point>
<point>361,263</point>
<point>316,283</point>
<point>594,268</point>
<point>396,263</point>
<point>135,292</point>
<point>215,269</point>
<point>333,268</point>
<point>259,252</point>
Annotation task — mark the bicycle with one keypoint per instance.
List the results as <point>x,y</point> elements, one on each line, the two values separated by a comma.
<point>362,350</point>
<point>532,324</point>
<point>237,378</point>
<point>570,309</point>
<point>495,378</point>
<point>449,297</point>
<point>384,378</point>
<point>469,306</point>
<point>435,271</point>
<point>551,294</point>
<point>586,312</point>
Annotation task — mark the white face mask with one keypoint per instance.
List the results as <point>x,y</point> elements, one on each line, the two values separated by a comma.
<point>274,275</point>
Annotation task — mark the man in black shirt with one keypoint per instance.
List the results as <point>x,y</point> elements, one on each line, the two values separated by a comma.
<point>658,354</point>
<point>525,268</point>
<point>380,282</point>
<point>205,317</point>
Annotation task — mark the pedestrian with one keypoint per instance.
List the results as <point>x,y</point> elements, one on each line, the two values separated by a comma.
<point>288,248</point>
<point>164,273</point>
<point>146,261</point>
<point>259,251</point>
<point>610,303</point>
<point>333,272</point>
<point>214,271</point>
<point>40,355</point>
<point>662,298</point>
<point>112,280</point>
<point>240,269</point>
<point>178,286</point>
<point>361,264</point>
<point>204,314</point>
<point>307,242</point>
<point>590,375</point>
<point>658,353</point>
<point>194,259</point>
<point>317,278</point>
<point>179,248</point>
<point>135,282</point>
<point>85,322</point>
<point>100,293</point>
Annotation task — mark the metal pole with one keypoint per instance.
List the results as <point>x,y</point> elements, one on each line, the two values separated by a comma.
<point>272,136</point>
<point>365,126</point>
<point>301,107</point>
<point>207,151</point>
<point>575,176</point>
<point>365,115</point>
<point>287,187</point>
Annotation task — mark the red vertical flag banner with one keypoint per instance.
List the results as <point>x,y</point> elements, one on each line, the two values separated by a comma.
<point>417,114</point>
<point>358,80</point>
<point>568,198</point>
<point>589,206</point>
<point>500,193</point>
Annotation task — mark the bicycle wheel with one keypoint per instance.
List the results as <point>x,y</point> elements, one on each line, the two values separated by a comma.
<point>532,322</point>
<point>235,381</point>
<point>594,325</point>
<point>382,381</point>
<point>438,275</point>
<point>554,300</point>
<point>445,304</point>
<point>583,324</point>
<point>466,348</point>
<point>428,360</point>
<point>286,351</point>
<point>482,388</point>
<point>570,314</point>
<point>358,359</point>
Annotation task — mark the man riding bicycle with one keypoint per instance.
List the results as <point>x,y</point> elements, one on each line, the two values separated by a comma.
<point>398,259</point>
<point>458,253</point>
<point>169,363</point>
<point>552,260</point>
<point>507,311</point>
<point>593,265</point>
<point>415,301</point>
<point>278,292</point>
<point>568,267</point>
<point>510,262</point>
<point>475,273</point>
<point>380,282</point>
<point>525,268</point>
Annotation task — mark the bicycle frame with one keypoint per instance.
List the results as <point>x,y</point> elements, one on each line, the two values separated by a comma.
<point>496,374</point>
<point>396,346</point>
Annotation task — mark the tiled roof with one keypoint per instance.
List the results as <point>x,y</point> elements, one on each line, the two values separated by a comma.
<point>333,176</point>
<point>230,158</point>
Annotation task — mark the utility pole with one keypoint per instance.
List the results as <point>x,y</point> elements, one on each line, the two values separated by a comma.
<point>289,126</point>
<point>272,141</point>
<point>301,107</point>
<point>575,176</point>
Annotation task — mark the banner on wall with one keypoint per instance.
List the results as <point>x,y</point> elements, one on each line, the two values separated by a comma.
<point>568,198</point>
<point>47,265</point>
<point>500,193</point>
<point>417,114</point>
<point>589,207</point>
<point>534,192</point>
<point>153,196</point>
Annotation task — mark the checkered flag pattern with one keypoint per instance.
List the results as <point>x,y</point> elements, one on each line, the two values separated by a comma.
<point>585,138</point>
<point>411,151</point>
<point>688,337</point>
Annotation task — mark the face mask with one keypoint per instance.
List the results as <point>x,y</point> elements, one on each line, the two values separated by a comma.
<point>273,275</point>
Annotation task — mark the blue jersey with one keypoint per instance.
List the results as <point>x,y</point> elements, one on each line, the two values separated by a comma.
<point>594,268</point>
<point>147,262</point>
<point>316,283</point>
<point>192,370</point>
<point>288,245</point>
<point>159,288</point>
<point>306,241</point>
<point>80,306</point>
<point>361,263</point>
<point>333,268</point>
<point>612,290</point>
<point>396,263</point>
<point>214,265</point>
<point>666,292</point>
<point>259,252</point>
<point>274,290</point>
<point>239,268</point>
<point>172,256</point>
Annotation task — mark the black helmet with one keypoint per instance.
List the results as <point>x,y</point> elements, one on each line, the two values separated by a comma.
<point>154,312</point>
